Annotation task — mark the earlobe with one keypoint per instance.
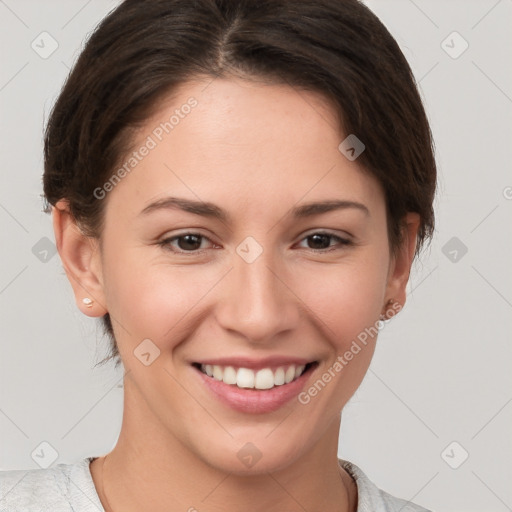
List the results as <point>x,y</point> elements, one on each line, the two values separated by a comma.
<point>401,263</point>
<point>80,257</point>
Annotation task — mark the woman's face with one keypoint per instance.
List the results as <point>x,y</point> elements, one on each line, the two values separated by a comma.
<point>255,281</point>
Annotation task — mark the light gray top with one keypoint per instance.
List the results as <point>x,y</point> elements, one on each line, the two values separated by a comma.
<point>70,488</point>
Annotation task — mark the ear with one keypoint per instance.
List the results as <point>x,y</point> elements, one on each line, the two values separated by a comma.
<point>400,264</point>
<point>80,257</point>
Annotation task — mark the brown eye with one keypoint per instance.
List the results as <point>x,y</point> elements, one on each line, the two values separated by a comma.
<point>322,241</point>
<point>189,242</point>
<point>319,241</point>
<point>186,243</point>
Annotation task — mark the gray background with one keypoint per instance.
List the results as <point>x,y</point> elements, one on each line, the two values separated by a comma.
<point>441,373</point>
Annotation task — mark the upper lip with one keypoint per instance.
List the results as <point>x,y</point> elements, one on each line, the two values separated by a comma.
<point>256,364</point>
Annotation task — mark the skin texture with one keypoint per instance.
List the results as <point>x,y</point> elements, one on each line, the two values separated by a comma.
<point>256,150</point>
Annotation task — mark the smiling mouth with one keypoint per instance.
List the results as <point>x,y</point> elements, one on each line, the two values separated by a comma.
<point>263,379</point>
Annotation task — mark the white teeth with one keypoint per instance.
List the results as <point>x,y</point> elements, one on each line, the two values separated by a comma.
<point>279,377</point>
<point>247,378</point>
<point>264,379</point>
<point>217,372</point>
<point>290,374</point>
<point>229,376</point>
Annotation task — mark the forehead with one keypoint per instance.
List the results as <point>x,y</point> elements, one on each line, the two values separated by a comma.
<point>232,140</point>
<point>247,114</point>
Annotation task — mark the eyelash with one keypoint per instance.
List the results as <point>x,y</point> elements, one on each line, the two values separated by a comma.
<point>343,242</point>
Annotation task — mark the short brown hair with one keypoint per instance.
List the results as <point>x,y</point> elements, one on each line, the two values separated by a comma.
<point>144,49</point>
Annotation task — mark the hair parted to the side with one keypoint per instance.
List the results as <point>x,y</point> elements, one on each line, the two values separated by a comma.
<point>144,49</point>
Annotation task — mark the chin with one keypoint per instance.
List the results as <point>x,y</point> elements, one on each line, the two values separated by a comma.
<point>257,457</point>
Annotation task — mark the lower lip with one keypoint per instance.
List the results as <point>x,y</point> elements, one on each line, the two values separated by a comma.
<point>256,401</point>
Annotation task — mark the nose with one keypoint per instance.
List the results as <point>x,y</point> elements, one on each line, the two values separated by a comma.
<point>257,303</point>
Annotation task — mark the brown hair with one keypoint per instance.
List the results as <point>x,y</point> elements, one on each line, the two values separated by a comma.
<point>144,49</point>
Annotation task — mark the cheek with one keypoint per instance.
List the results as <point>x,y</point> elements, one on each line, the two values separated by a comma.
<point>155,301</point>
<point>346,302</point>
<point>345,298</point>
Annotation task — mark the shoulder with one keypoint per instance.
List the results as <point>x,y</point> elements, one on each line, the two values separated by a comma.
<point>60,488</point>
<point>372,499</point>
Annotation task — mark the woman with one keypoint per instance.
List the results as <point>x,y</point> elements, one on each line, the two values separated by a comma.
<point>238,189</point>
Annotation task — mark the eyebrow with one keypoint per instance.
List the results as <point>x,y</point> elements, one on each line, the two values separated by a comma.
<point>206,209</point>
